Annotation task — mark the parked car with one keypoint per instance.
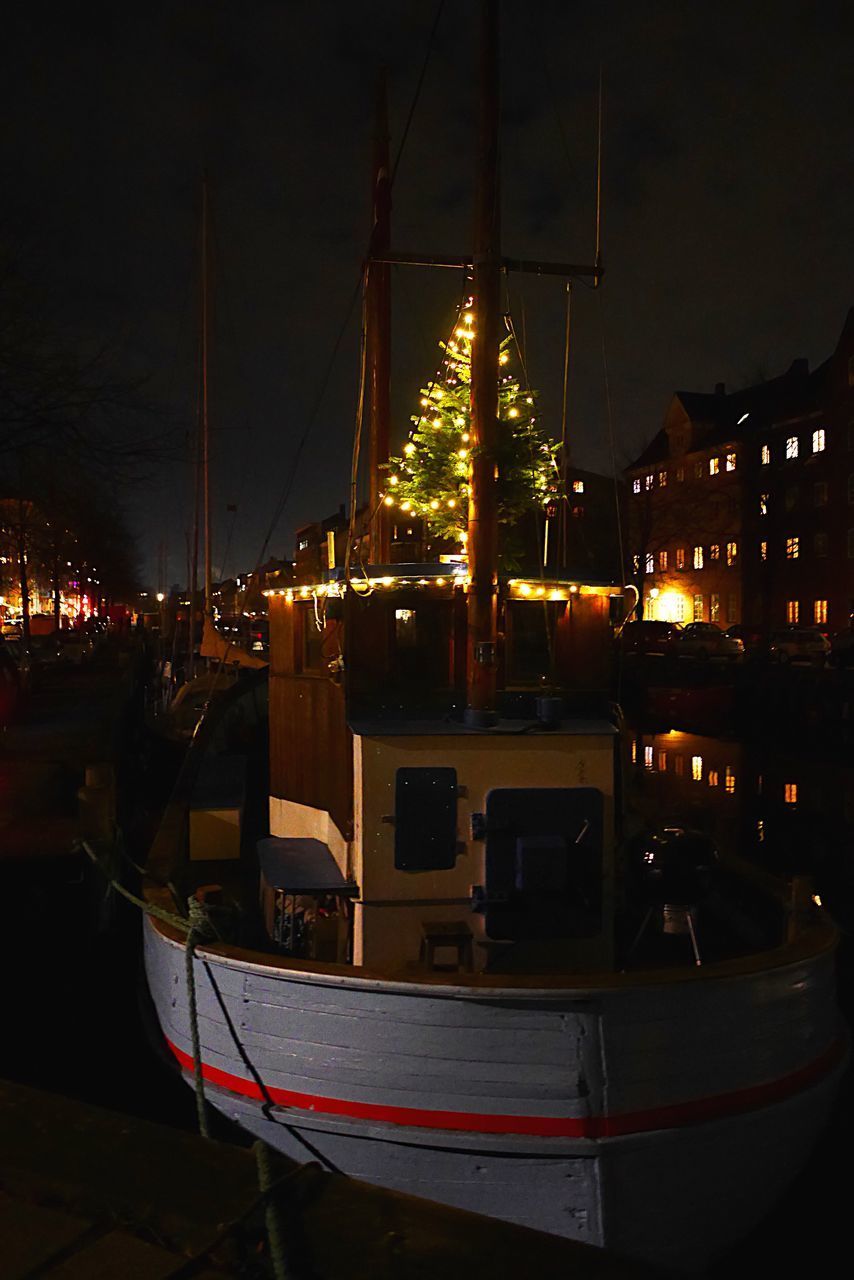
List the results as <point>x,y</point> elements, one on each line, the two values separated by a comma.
<point>842,648</point>
<point>799,644</point>
<point>75,647</point>
<point>754,639</point>
<point>707,640</point>
<point>643,637</point>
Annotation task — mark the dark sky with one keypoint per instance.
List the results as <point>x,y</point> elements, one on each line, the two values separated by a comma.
<point>728,209</point>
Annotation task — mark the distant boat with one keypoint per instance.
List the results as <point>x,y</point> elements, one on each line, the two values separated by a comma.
<point>452,973</point>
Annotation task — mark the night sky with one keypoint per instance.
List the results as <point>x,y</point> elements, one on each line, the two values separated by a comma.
<point>728,211</point>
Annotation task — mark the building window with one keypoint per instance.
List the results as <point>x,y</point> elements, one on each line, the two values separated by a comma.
<point>714,607</point>
<point>714,466</point>
<point>578,486</point>
<point>698,557</point>
<point>662,762</point>
<point>680,474</point>
<point>764,499</point>
<point>819,493</point>
<point>698,608</point>
<point>648,481</point>
<point>730,462</point>
<point>680,557</point>
<point>820,613</point>
<point>732,609</point>
<point>792,612</point>
<point>679,765</point>
<point>650,562</point>
<point>791,497</point>
<point>819,543</point>
<point>577,512</point>
<point>818,440</point>
<point>697,768</point>
<point>662,560</point>
<point>698,470</point>
<point>792,548</point>
<point>636,563</point>
<point>731,553</point>
<point>729,780</point>
<point>636,485</point>
<point>647,757</point>
<point>790,792</point>
<point>679,609</point>
<point>713,778</point>
<point>662,479</point>
<point>792,447</point>
<point>634,751</point>
<point>714,551</point>
<point>765,455</point>
<point>763,551</point>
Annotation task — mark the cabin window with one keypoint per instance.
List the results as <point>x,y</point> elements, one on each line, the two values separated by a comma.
<point>425,819</point>
<point>405,634</point>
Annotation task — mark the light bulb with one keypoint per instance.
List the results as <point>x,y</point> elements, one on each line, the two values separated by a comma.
<point>434,505</point>
<point>462,453</point>
<point>409,449</point>
<point>389,502</point>
<point>394,479</point>
<point>452,502</point>
<point>514,413</point>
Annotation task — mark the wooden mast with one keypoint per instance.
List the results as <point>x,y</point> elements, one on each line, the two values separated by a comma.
<point>206,479</point>
<point>379,330</point>
<point>483,515</point>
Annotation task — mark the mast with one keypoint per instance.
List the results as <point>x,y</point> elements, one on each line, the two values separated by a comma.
<point>482,544</point>
<point>379,329</point>
<point>205,438</point>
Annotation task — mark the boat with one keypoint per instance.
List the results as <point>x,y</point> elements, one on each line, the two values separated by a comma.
<point>441,960</point>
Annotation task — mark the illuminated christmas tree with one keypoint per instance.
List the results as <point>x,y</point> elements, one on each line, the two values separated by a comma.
<point>431,477</point>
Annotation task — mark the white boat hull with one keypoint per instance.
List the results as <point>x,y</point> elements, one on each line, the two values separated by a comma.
<point>660,1118</point>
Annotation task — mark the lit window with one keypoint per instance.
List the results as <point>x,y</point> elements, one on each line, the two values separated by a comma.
<point>648,481</point>
<point>729,780</point>
<point>680,609</point>
<point>714,607</point>
<point>647,757</point>
<point>636,485</point>
<point>680,557</point>
<point>731,553</point>
<point>698,557</point>
<point>698,608</point>
<point>636,563</point>
<point>760,830</point>
<point>820,612</point>
<point>790,792</point>
<point>650,562</point>
<point>634,751</point>
<point>818,440</point>
<point>763,551</point>
<point>713,778</point>
<point>764,499</point>
<point>662,479</point>
<point>679,765</point>
<point>697,768</point>
<point>792,612</point>
<point>662,560</point>
<point>662,761</point>
<point>578,486</point>
<point>820,544</point>
<point>714,466</point>
<point>819,493</point>
<point>765,455</point>
<point>792,447</point>
<point>792,548</point>
<point>714,551</point>
<point>730,462</point>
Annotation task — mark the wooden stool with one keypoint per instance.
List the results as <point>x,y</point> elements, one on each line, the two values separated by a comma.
<point>447,933</point>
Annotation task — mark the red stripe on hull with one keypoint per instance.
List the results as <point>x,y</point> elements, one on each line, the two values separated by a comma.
<point>674,1116</point>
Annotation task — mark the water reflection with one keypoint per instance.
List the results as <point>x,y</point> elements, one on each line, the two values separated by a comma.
<point>781,805</point>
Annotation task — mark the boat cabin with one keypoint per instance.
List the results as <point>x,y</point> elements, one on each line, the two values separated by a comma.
<point>465,848</point>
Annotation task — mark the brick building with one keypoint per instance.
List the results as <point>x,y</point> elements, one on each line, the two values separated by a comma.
<point>741,508</point>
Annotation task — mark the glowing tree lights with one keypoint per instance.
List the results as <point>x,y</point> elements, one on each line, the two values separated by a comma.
<point>430,479</point>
